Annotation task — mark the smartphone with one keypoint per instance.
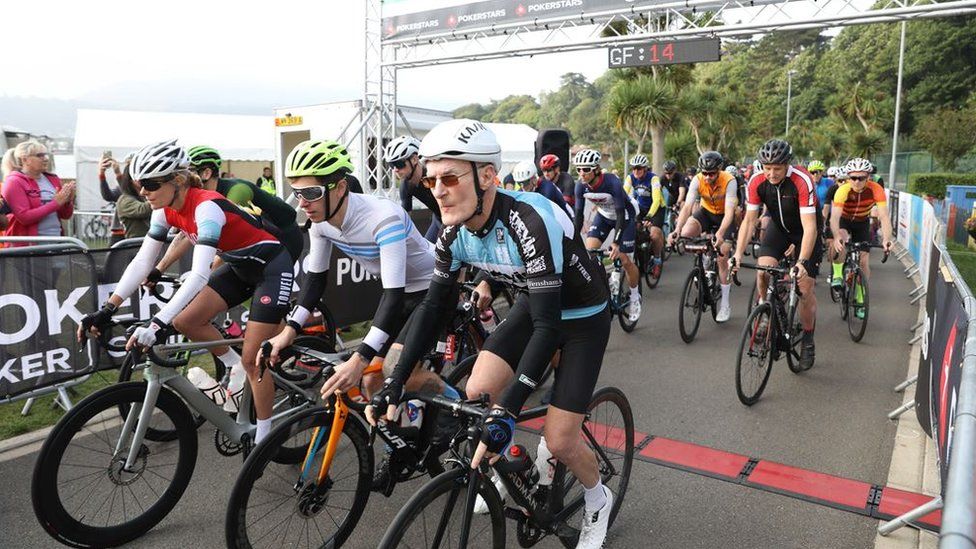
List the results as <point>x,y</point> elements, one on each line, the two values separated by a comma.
<point>106,154</point>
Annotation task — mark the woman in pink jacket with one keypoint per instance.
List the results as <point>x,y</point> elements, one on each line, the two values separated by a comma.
<point>36,198</point>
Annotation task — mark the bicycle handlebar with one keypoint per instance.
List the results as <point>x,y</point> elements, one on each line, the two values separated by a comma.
<point>157,292</point>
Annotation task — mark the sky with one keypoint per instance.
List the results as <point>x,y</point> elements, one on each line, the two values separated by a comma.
<point>160,55</point>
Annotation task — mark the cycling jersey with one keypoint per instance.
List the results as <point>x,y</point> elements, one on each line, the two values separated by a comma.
<point>379,235</point>
<point>567,186</point>
<point>527,242</point>
<point>215,226</point>
<point>548,190</point>
<point>822,187</point>
<point>275,211</point>
<point>714,197</point>
<point>786,201</point>
<point>646,191</point>
<point>608,195</point>
<point>857,204</point>
<point>672,186</point>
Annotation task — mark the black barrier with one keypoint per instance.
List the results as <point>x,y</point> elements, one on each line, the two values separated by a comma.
<point>940,360</point>
<point>44,291</point>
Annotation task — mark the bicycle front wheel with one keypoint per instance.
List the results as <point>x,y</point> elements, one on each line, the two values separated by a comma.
<point>81,491</point>
<point>857,306</point>
<point>623,315</point>
<point>690,311</point>
<point>794,338</point>
<point>272,505</point>
<point>608,432</point>
<point>432,516</point>
<point>754,362</point>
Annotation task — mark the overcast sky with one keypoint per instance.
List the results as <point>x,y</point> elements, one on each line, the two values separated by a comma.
<point>280,52</point>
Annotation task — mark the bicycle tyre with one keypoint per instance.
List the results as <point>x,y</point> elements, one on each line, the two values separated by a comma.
<point>649,278</point>
<point>747,395</point>
<point>624,451</point>
<point>846,294</point>
<point>857,326</point>
<point>623,317</point>
<point>453,481</point>
<point>49,506</point>
<point>256,469</point>
<point>795,339</point>
<point>752,296</point>
<point>692,290</point>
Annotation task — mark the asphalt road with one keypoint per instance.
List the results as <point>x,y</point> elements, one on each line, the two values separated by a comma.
<point>829,419</point>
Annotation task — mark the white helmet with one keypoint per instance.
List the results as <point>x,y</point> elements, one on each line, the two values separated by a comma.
<point>731,170</point>
<point>524,171</point>
<point>639,160</point>
<point>841,174</point>
<point>756,165</point>
<point>462,139</point>
<point>858,165</point>
<point>401,148</point>
<point>832,171</point>
<point>158,160</point>
<point>587,158</point>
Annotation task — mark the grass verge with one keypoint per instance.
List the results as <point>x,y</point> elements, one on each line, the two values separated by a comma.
<point>965,261</point>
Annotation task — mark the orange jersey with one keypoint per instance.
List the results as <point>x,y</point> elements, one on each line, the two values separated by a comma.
<point>713,196</point>
<point>857,205</point>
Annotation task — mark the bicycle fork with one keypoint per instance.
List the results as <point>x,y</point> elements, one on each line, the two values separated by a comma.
<point>331,445</point>
<point>138,417</point>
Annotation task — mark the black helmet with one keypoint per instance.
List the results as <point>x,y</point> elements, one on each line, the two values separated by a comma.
<point>775,151</point>
<point>670,165</point>
<point>710,161</point>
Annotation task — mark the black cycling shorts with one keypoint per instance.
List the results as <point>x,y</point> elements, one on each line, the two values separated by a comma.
<point>583,342</point>
<point>710,223</point>
<point>657,219</point>
<point>860,231</point>
<point>775,242</point>
<point>268,288</point>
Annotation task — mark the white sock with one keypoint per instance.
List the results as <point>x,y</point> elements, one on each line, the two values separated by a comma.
<point>264,427</point>
<point>726,288</point>
<point>595,497</point>
<point>230,358</point>
<point>634,293</point>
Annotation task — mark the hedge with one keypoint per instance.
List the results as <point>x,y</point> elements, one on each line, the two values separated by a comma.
<point>935,184</point>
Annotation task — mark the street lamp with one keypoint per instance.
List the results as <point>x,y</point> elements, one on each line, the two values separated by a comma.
<point>789,96</point>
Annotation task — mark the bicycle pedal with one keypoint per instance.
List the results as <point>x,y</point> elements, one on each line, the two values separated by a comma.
<point>514,513</point>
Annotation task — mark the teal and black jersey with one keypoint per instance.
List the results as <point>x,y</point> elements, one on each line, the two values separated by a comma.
<point>529,243</point>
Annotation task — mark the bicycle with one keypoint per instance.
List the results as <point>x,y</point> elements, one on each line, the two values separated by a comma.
<point>669,216</point>
<point>853,293</point>
<point>701,290</point>
<point>619,290</point>
<point>130,471</point>
<point>764,338</point>
<point>644,257</point>
<point>441,512</point>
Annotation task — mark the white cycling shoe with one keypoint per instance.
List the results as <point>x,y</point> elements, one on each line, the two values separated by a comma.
<point>480,507</point>
<point>724,312</point>
<point>634,310</point>
<point>595,525</point>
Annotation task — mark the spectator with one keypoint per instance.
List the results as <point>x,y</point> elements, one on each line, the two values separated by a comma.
<point>37,200</point>
<point>4,212</point>
<point>111,195</point>
<point>131,207</point>
<point>266,182</point>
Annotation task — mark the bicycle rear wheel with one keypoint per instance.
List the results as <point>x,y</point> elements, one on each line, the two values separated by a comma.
<point>432,516</point>
<point>608,431</point>
<point>754,362</point>
<point>270,505</point>
<point>623,315</point>
<point>81,492</point>
<point>856,325</point>
<point>690,311</point>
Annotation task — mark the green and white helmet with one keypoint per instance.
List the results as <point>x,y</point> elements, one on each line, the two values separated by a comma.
<point>202,155</point>
<point>318,158</point>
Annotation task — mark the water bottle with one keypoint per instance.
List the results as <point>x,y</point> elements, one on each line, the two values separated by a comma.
<point>614,283</point>
<point>517,461</point>
<point>544,463</point>
<point>488,321</point>
<point>235,388</point>
<point>207,385</point>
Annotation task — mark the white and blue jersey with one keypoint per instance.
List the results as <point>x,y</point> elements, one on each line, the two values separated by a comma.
<point>608,195</point>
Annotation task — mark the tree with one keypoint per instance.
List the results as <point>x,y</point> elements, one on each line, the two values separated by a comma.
<point>644,107</point>
<point>474,111</point>
<point>948,134</point>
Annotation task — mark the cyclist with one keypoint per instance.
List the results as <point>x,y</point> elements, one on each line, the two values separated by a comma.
<point>828,234</point>
<point>822,182</point>
<point>789,195</point>
<point>401,155</point>
<point>255,266</point>
<point>850,219</point>
<point>645,187</point>
<point>675,184</point>
<point>614,210</point>
<point>715,190</point>
<point>527,241</point>
<point>524,174</point>
<point>552,172</point>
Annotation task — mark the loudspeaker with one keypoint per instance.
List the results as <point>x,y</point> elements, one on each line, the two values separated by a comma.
<point>553,141</point>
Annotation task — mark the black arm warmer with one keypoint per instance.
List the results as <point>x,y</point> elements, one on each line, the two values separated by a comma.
<point>388,318</point>
<point>314,289</point>
<point>544,307</point>
<point>423,329</point>
<point>619,232</point>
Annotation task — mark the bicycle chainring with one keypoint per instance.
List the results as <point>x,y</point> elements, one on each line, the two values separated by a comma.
<point>225,446</point>
<point>527,533</point>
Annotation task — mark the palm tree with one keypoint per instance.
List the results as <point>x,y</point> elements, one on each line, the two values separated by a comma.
<point>644,107</point>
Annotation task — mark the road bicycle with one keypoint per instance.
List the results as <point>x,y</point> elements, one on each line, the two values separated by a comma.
<point>644,257</point>
<point>852,296</point>
<point>619,290</point>
<point>670,215</point>
<point>772,329</point>
<point>102,479</point>
<point>441,513</point>
<point>702,289</point>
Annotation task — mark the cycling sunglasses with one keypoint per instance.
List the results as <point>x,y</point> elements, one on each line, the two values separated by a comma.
<point>399,164</point>
<point>858,178</point>
<point>584,170</point>
<point>309,194</point>
<point>816,171</point>
<point>448,180</point>
<point>709,174</point>
<point>154,184</point>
